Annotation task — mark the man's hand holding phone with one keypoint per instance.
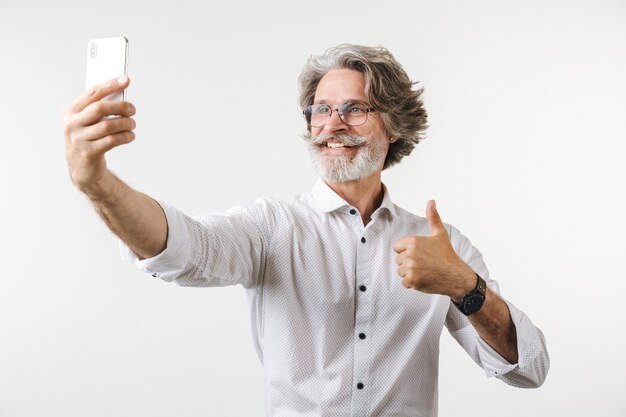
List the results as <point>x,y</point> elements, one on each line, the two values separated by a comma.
<point>90,133</point>
<point>94,123</point>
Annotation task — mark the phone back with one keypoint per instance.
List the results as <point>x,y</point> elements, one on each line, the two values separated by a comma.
<point>107,58</point>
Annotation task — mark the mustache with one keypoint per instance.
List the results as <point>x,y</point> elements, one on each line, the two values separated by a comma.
<point>346,140</point>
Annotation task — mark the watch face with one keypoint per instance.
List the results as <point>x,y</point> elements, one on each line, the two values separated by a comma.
<point>473,303</point>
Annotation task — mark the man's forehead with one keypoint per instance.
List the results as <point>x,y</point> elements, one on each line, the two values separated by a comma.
<point>341,85</point>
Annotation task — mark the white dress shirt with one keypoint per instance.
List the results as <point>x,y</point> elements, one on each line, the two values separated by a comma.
<point>335,330</point>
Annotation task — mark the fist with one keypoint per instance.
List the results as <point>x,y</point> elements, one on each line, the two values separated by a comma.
<point>430,264</point>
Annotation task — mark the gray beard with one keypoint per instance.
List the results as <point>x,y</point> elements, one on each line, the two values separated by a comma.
<point>369,158</point>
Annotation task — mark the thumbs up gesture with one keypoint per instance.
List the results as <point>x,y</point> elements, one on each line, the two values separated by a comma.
<point>430,264</point>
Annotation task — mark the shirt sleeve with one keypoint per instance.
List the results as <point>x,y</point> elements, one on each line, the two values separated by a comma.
<point>215,250</point>
<point>533,361</point>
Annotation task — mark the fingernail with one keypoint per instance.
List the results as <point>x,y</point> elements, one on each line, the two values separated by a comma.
<point>122,80</point>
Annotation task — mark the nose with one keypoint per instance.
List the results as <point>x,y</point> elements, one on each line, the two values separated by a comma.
<point>335,123</point>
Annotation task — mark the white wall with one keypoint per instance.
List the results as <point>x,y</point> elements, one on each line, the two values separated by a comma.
<point>525,155</point>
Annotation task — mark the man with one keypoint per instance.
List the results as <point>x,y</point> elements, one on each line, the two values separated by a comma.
<point>348,292</point>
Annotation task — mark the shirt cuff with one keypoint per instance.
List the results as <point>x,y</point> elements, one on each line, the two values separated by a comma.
<point>168,264</point>
<point>494,364</point>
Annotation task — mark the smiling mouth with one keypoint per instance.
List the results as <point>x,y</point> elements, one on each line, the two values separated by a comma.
<point>336,145</point>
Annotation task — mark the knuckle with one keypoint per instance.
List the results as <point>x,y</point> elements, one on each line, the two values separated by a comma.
<point>91,111</point>
<point>67,130</point>
<point>67,115</point>
<point>111,141</point>
<point>102,88</point>
<point>412,282</point>
<point>97,107</point>
<point>69,127</point>
<point>105,126</point>
<point>410,243</point>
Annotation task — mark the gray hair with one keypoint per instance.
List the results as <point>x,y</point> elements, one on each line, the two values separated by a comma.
<point>387,87</point>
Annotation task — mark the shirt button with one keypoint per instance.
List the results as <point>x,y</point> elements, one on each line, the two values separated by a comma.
<point>362,240</point>
<point>361,336</point>
<point>362,288</point>
<point>352,211</point>
<point>360,385</point>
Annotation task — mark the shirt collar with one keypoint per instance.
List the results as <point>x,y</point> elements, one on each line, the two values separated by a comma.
<point>325,200</point>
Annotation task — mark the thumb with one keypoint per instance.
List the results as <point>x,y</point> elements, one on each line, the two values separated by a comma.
<point>434,221</point>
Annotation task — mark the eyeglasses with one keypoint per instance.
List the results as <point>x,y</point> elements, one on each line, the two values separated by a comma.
<point>353,114</point>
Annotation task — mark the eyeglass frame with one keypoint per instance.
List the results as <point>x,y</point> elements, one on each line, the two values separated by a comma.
<point>340,113</point>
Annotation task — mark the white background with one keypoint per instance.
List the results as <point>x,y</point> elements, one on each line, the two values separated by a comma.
<point>525,154</point>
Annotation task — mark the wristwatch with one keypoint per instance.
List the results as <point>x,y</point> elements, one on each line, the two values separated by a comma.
<point>473,300</point>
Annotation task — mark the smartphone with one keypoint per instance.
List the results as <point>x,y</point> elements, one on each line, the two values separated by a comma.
<point>107,58</point>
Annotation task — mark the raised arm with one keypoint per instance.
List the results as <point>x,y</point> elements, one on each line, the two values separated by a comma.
<point>430,264</point>
<point>134,217</point>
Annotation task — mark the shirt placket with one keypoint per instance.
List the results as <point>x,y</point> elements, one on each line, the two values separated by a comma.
<point>361,387</point>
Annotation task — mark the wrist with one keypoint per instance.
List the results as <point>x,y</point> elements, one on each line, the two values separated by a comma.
<point>466,283</point>
<point>103,190</point>
<point>473,300</point>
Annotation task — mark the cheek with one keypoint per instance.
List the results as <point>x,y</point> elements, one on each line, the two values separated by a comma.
<point>374,127</point>
<point>374,132</point>
<point>316,131</point>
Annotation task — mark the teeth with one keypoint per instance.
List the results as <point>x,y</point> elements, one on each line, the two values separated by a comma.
<point>335,145</point>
